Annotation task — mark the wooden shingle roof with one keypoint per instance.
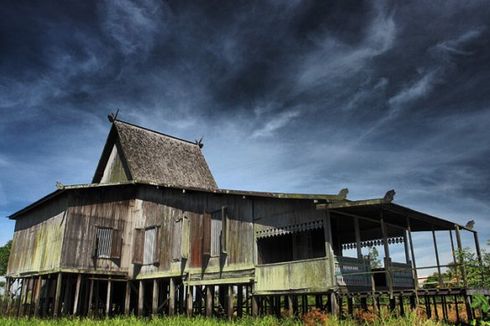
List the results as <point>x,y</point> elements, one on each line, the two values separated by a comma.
<point>151,156</point>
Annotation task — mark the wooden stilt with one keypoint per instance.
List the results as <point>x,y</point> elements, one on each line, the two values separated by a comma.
<point>141,298</point>
<point>255,306</point>
<point>402,307</point>
<point>290,305</point>
<point>438,263</point>
<point>171,298</point>
<point>90,297</point>
<point>456,307</point>
<point>350,306</point>
<point>65,303</point>
<point>37,299</point>
<point>21,297</point>
<point>364,304</point>
<point>229,303</point>
<point>46,295</point>
<point>77,294</point>
<point>334,307</point>
<point>209,300</point>
<point>155,296</point>
<point>108,302</point>
<point>127,299</point>
<point>189,302</point>
<point>434,301</point>
<point>57,296</point>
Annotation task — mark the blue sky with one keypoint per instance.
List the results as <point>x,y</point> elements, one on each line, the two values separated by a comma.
<point>296,97</point>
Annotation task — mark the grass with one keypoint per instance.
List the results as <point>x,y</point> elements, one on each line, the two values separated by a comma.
<point>313,319</point>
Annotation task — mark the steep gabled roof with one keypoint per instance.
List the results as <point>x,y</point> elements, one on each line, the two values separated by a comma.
<point>147,155</point>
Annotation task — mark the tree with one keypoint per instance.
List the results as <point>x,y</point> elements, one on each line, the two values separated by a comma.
<point>374,260</point>
<point>4,257</point>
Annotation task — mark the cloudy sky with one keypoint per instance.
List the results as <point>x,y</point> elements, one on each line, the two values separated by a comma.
<point>292,96</point>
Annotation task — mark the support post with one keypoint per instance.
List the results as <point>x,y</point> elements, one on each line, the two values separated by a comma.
<point>327,229</point>
<point>478,254</point>
<point>37,299</point>
<point>77,294</point>
<point>141,298</point>
<point>387,260</point>
<point>171,298</point>
<point>239,301</point>
<point>155,296</point>
<point>127,298</point>
<point>229,303</point>
<point>57,296</point>
<point>460,256</point>
<point>189,301</point>
<point>358,237</point>
<point>255,305</point>
<point>90,296</point>
<point>290,305</point>
<point>453,254</point>
<point>414,264</point>
<point>108,301</point>
<point>209,300</point>
<point>439,274</point>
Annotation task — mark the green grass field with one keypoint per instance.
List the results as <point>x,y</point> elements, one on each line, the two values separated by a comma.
<point>409,320</point>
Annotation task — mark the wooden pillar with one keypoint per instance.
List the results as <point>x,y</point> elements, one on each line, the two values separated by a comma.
<point>57,296</point>
<point>334,307</point>
<point>46,293</point>
<point>66,303</point>
<point>358,237</point>
<point>327,230</point>
<point>90,297</point>
<point>189,301</point>
<point>127,298</point>
<point>8,285</point>
<point>255,305</point>
<point>439,274</point>
<point>171,297</point>
<point>478,255</point>
<point>155,296</point>
<point>209,300</point>
<point>350,305</point>
<point>453,253</point>
<point>108,301</point>
<point>387,260</point>
<point>37,299</point>
<point>405,246</point>
<point>402,307</point>
<point>460,256</point>
<point>77,294</point>
<point>141,298</point>
<point>414,264</point>
<point>21,297</point>
<point>290,305</point>
<point>229,303</point>
<point>436,313</point>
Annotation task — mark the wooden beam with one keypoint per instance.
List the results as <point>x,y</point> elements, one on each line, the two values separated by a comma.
<point>439,274</point>
<point>57,296</point>
<point>108,302</point>
<point>77,294</point>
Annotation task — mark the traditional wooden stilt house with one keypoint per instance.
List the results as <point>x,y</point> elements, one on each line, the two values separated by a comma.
<point>153,234</point>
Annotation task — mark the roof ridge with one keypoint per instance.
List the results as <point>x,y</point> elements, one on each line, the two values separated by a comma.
<point>157,132</point>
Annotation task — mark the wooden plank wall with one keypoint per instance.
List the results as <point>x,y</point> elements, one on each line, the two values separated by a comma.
<point>92,208</point>
<point>37,241</point>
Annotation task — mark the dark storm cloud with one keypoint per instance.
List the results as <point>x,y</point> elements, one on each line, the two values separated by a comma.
<point>291,96</point>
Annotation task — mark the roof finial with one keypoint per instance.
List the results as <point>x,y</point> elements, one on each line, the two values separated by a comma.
<point>113,116</point>
<point>390,195</point>
<point>199,142</point>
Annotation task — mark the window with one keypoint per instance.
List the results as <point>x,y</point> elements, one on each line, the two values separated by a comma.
<point>146,250</point>
<point>292,246</point>
<point>107,243</point>
<point>214,233</point>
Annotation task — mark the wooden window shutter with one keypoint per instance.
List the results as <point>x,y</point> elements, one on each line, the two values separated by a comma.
<point>177,240</point>
<point>156,253</point>
<point>206,234</point>
<point>116,244</point>
<point>224,228</point>
<point>138,246</point>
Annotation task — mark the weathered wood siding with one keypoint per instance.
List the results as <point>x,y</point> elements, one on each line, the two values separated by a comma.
<point>92,208</point>
<point>37,241</point>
